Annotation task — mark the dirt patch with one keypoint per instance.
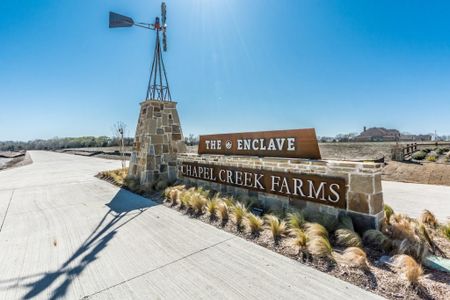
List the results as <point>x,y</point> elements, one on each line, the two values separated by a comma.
<point>17,161</point>
<point>426,173</point>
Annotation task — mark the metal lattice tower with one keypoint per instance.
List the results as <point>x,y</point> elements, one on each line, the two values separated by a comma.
<point>158,85</point>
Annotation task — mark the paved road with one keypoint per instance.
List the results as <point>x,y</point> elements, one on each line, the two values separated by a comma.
<point>67,234</point>
<point>413,198</point>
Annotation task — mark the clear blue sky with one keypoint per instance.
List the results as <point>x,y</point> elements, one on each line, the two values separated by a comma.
<point>233,65</point>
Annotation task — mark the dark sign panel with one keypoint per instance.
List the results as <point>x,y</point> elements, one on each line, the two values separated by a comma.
<point>320,189</point>
<point>298,143</point>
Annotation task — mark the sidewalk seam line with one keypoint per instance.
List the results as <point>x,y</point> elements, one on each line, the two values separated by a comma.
<point>158,268</point>
<point>7,209</point>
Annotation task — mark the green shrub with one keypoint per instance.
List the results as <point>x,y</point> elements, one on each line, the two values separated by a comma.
<point>345,222</point>
<point>432,158</point>
<point>439,151</point>
<point>388,212</point>
<point>419,155</point>
<point>161,185</point>
<point>446,229</point>
<point>376,239</point>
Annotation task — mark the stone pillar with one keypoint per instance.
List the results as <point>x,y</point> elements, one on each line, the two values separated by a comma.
<point>397,153</point>
<point>157,141</point>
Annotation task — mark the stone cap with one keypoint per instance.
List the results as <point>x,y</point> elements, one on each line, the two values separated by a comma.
<point>376,167</point>
<point>157,101</point>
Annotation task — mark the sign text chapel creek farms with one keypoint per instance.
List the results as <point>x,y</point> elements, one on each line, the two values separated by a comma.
<point>320,189</point>
<point>298,143</point>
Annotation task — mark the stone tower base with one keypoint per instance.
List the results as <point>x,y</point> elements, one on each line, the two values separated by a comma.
<point>157,141</point>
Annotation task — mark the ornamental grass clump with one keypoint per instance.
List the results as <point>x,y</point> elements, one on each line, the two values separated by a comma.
<point>319,246</point>
<point>254,223</point>
<point>402,227</point>
<point>416,249</point>
<point>377,240</point>
<point>211,207</point>
<point>173,196</point>
<point>347,238</point>
<point>229,201</point>
<point>185,199</point>
<point>408,267</point>
<point>316,230</point>
<point>238,212</point>
<point>353,257</point>
<point>295,220</point>
<point>166,193</point>
<point>278,228</point>
<point>222,212</point>
<point>428,218</point>
<point>197,203</point>
<point>300,240</point>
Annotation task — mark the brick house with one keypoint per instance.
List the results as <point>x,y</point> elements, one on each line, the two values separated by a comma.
<point>378,134</point>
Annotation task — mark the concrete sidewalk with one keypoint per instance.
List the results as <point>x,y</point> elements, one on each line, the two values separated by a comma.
<point>66,234</point>
<point>413,198</point>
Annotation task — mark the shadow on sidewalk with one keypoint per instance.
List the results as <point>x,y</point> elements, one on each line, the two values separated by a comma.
<point>123,204</point>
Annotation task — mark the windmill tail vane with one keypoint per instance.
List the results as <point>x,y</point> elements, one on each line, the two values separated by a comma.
<point>158,85</point>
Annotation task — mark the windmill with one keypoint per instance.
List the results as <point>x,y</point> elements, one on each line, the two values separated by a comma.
<point>158,86</point>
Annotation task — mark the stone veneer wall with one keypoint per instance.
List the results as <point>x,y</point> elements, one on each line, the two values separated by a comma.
<point>363,180</point>
<point>157,141</point>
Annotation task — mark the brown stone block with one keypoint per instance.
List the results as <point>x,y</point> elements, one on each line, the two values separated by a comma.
<point>176,136</point>
<point>170,104</point>
<point>156,139</point>
<point>376,203</point>
<point>168,129</point>
<point>175,129</point>
<point>377,183</point>
<point>358,202</point>
<point>165,148</point>
<point>360,183</point>
<point>176,119</point>
<point>158,149</point>
<point>151,126</point>
<point>151,163</point>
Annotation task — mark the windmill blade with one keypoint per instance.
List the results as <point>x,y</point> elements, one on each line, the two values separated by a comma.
<point>164,40</point>
<point>116,20</point>
<point>163,13</point>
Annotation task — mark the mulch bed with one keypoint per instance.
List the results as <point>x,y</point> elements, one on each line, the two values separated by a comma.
<point>379,279</point>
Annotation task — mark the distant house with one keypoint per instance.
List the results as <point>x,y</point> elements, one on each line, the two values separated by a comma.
<point>415,137</point>
<point>378,134</point>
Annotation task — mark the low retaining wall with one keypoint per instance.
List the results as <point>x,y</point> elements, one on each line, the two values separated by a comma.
<point>357,193</point>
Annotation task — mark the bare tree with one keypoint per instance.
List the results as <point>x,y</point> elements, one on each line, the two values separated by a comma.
<point>120,130</point>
